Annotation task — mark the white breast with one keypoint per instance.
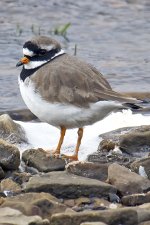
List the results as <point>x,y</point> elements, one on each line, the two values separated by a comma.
<point>58,114</point>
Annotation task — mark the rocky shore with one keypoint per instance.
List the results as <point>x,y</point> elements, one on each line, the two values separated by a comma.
<point>111,188</point>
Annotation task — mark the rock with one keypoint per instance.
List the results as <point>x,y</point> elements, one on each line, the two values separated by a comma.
<point>19,177</point>
<point>93,223</point>
<point>21,114</point>
<point>145,223</point>
<point>9,156</point>
<point>11,131</point>
<point>65,185</point>
<point>142,165</point>
<point>88,169</point>
<point>8,187</point>
<point>10,216</point>
<point>94,203</point>
<point>39,159</point>
<point>133,142</point>
<point>2,174</point>
<point>137,140</point>
<point>107,145</point>
<point>125,181</point>
<point>42,204</point>
<point>135,199</point>
<point>125,216</point>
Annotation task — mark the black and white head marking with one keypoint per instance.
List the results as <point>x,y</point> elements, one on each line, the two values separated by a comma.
<point>38,55</point>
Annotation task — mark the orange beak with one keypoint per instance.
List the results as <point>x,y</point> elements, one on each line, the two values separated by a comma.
<point>22,61</point>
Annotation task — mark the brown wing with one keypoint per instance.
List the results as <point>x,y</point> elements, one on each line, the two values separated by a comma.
<point>67,79</point>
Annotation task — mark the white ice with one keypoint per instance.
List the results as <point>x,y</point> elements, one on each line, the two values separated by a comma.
<point>42,135</point>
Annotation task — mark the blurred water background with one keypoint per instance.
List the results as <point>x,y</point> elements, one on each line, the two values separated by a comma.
<point>113,35</point>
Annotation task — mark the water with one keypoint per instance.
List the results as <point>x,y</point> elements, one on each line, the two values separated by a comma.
<point>113,35</point>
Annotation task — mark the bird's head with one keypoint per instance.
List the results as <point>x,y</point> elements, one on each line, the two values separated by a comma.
<point>38,51</point>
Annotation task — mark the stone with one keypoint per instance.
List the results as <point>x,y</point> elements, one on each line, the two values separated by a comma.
<point>124,216</point>
<point>135,199</point>
<point>19,177</point>
<point>145,223</point>
<point>2,174</point>
<point>125,181</point>
<point>39,159</point>
<point>142,164</point>
<point>88,169</point>
<point>20,114</point>
<point>8,186</point>
<point>93,223</point>
<point>136,140</point>
<point>64,185</point>
<point>9,156</point>
<point>10,216</point>
<point>133,143</point>
<point>42,204</point>
<point>11,131</point>
<point>107,145</point>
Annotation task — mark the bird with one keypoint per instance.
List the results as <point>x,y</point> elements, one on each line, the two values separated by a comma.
<point>64,91</point>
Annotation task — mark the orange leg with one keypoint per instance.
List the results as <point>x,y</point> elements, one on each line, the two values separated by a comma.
<point>62,134</point>
<point>75,155</point>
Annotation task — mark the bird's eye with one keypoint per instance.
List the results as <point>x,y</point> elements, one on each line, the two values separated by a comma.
<point>42,51</point>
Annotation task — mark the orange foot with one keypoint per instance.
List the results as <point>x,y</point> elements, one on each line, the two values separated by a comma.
<point>70,157</point>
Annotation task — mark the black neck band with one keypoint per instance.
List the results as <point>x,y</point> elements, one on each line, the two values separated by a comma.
<point>47,57</point>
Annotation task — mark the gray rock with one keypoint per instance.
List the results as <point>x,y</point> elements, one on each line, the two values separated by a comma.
<point>88,169</point>
<point>15,217</point>
<point>125,181</point>
<point>11,131</point>
<point>42,204</point>
<point>110,217</point>
<point>20,114</point>
<point>142,164</point>
<point>134,142</point>
<point>93,223</point>
<point>9,156</point>
<point>39,159</point>
<point>135,199</point>
<point>2,174</point>
<point>65,185</point>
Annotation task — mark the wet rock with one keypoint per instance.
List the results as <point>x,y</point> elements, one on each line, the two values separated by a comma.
<point>39,159</point>
<point>10,216</point>
<point>125,181</point>
<point>9,156</point>
<point>42,204</point>
<point>142,165</point>
<point>2,174</point>
<point>65,185</point>
<point>93,223</point>
<point>11,131</point>
<point>8,186</point>
<point>136,199</point>
<point>88,169</point>
<point>110,217</point>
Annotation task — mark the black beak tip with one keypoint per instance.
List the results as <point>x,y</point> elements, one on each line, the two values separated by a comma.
<point>19,64</point>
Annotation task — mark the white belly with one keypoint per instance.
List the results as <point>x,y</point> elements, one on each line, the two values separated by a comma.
<point>58,114</point>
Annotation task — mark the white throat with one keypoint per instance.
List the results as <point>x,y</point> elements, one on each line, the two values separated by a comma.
<point>35,64</point>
